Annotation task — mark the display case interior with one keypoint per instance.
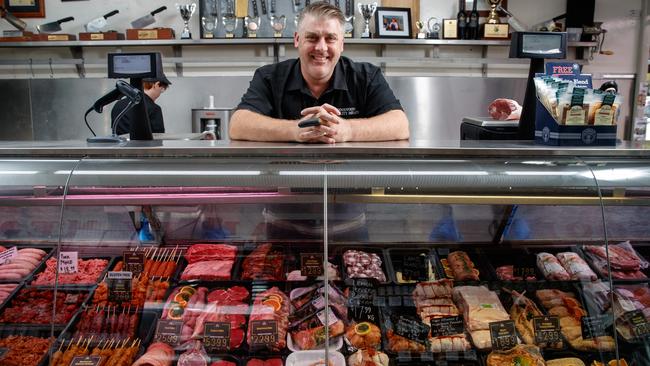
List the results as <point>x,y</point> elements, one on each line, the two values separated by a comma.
<point>298,260</point>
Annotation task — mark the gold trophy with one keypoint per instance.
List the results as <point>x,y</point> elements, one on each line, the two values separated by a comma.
<point>493,28</point>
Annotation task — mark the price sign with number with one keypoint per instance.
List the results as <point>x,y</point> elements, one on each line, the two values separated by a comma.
<point>119,286</point>
<point>503,335</point>
<point>68,262</point>
<point>547,329</point>
<point>410,328</point>
<point>264,333</point>
<point>133,262</point>
<point>85,361</point>
<point>639,323</point>
<point>361,300</point>
<point>595,326</point>
<point>523,271</point>
<point>311,264</point>
<point>169,331</point>
<point>447,326</point>
<point>216,336</point>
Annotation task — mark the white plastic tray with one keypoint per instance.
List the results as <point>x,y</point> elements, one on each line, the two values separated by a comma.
<point>306,358</point>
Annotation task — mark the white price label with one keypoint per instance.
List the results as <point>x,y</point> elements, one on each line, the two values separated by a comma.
<point>68,262</point>
<point>8,255</point>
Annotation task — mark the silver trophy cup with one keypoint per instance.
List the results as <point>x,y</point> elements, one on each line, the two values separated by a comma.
<point>367,11</point>
<point>186,10</point>
<point>252,25</point>
<point>278,23</point>
<point>229,24</point>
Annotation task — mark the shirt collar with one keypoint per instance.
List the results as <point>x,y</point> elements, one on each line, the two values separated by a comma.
<point>297,82</point>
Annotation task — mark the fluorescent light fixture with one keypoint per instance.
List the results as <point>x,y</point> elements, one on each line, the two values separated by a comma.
<point>162,172</point>
<point>617,174</point>
<point>19,172</point>
<point>379,173</point>
<point>524,173</point>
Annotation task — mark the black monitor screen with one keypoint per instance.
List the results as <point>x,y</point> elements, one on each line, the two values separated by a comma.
<point>134,65</point>
<point>542,44</point>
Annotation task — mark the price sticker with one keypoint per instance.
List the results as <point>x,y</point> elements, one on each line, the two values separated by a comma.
<point>311,264</point>
<point>68,262</point>
<point>169,331</point>
<point>414,268</point>
<point>133,262</point>
<point>447,326</point>
<point>264,333</point>
<point>8,255</point>
<point>216,336</point>
<point>119,286</point>
<point>547,329</point>
<point>639,323</point>
<point>503,335</point>
<point>410,328</point>
<point>85,361</point>
<point>595,326</point>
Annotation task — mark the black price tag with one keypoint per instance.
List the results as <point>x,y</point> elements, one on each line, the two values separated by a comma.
<point>216,336</point>
<point>447,326</point>
<point>311,264</point>
<point>119,286</point>
<point>639,323</point>
<point>3,352</point>
<point>414,268</point>
<point>595,326</point>
<point>503,335</point>
<point>169,331</point>
<point>133,262</point>
<point>85,361</point>
<point>263,332</point>
<point>361,300</point>
<point>410,328</point>
<point>523,271</point>
<point>547,329</point>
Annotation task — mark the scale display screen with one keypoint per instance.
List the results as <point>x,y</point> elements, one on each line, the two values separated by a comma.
<point>134,65</point>
<point>542,44</point>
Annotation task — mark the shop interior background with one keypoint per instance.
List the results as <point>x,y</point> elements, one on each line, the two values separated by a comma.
<point>46,102</point>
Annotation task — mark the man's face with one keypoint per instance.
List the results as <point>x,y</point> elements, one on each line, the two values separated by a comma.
<point>157,89</point>
<point>320,43</point>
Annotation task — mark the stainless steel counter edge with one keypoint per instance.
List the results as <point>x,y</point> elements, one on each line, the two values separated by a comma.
<point>392,149</point>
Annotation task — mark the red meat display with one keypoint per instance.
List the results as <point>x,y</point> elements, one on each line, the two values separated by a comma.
<point>21,265</point>
<point>269,362</point>
<point>623,259</point>
<point>33,306</point>
<point>225,306</point>
<point>272,305</point>
<point>209,262</point>
<point>264,263</point>
<point>88,273</point>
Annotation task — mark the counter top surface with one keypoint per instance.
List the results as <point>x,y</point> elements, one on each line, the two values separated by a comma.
<point>391,149</point>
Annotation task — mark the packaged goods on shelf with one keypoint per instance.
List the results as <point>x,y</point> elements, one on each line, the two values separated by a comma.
<point>519,355</point>
<point>209,262</point>
<point>308,300</point>
<point>480,307</point>
<point>624,261</point>
<point>88,273</point>
<point>24,350</point>
<point>21,265</point>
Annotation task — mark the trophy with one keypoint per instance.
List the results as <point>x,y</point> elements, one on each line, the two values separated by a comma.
<point>433,25</point>
<point>348,28</point>
<point>186,10</point>
<point>278,24</point>
<point>229,22</point>
<point>252,24</point>
<point>367,11</point>
<point>209,22</point>
<point>493,28</point>
<point>420,26</point>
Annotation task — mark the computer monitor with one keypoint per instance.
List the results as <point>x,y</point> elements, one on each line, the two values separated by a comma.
<point>134,65</point>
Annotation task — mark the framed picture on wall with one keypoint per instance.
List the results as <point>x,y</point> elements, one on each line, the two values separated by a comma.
<point>26,8</point>
<point>393,22</point>
<point>482,6</point>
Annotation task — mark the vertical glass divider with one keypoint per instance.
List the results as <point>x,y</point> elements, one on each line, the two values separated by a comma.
<point>325,266</point>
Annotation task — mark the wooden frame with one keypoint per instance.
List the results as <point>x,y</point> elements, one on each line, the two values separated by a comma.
<point>393,23</point>
<point>483,8</point>
<point>26,8</point>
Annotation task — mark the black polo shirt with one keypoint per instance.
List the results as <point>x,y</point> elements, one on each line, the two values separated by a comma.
<point>124,125</point>
<point>357,89</point>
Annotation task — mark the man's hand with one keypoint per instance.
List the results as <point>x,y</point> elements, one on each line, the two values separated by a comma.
<point>332,128</point>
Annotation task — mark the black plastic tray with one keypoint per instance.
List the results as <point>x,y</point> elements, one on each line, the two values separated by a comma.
<point>49,251</point>
<point>395,256</point>
<point>109,265</point>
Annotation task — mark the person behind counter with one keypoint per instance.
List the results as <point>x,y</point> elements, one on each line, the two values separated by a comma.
<point>351,99</point>
<point>153,88</point>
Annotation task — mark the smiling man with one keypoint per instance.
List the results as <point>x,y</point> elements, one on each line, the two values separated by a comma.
<point>352,101</point>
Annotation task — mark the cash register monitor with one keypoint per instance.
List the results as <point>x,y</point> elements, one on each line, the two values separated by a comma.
<point>136,66</point>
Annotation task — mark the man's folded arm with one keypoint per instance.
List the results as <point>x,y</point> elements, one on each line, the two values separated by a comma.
<point>252,126</point>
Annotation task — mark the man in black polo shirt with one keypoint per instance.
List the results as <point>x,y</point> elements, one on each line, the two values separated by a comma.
<point>352,100</point>
<point>153,88</point>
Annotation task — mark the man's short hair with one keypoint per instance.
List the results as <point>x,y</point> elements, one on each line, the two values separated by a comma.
<point>322,9</point>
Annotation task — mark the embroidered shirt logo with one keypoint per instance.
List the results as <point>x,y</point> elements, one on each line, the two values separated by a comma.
<point>349,111</point>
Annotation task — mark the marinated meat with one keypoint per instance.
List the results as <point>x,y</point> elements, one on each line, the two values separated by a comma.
<point>368,357</point>
<point>462,267</point>
<point>34,306</point>
<point>397,343</point>
<point>264,263</point>
<point>522,312</point>
<point>223,363</point>
<point>519,355</point>
<point>363,335</point>
<point>272,305</point>
<point>24,350</point>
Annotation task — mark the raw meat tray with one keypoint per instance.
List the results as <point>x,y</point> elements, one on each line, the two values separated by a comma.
<point>49,252</point>
<point>495,258</point>
<point>474,256</point>
<point>555,251</point>
<point>338,252</point>
<point>641,251</point>
<point>6,331</point>
<point>41,268</point>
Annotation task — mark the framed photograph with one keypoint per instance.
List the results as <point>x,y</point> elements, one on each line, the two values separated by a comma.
<point>393,22</point>
<point>482,6</point>
<point>26,8</point>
